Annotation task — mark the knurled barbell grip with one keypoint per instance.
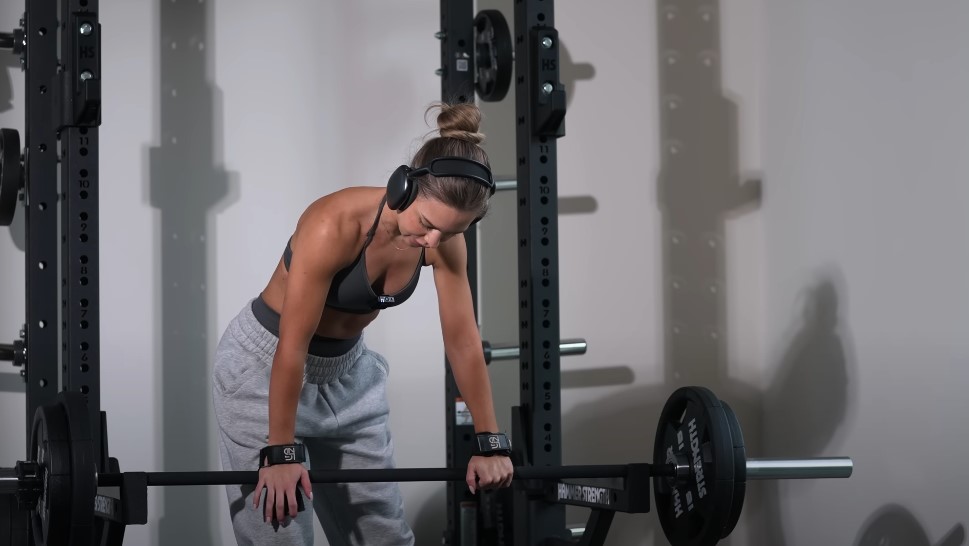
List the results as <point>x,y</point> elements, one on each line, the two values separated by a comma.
<point>370,475</point>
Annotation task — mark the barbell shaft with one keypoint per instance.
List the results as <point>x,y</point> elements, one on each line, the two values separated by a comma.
<point>567,347</point>
<point>757,469</point>
<point>8,481</point>
<point>371,475</point>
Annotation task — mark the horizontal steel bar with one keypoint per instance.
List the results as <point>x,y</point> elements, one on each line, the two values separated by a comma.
<point>8,481</point>
<point>567,347</point>
<point>371,475</point>
<point>788,469</point>
<point>505,184</point>
<point>757,469</point>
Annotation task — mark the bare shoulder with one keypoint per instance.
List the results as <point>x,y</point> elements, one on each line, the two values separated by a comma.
<point>337,222</point>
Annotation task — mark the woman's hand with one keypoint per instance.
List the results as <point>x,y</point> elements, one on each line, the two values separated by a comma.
<point>280,483</point>
<point>489,472</point>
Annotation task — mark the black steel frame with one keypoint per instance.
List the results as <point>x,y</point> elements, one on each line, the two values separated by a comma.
<point>457,85</point>
<point>540,111</point>
<point>62,61</point>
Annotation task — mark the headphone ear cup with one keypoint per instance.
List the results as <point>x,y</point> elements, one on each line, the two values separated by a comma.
<point>401,190</point>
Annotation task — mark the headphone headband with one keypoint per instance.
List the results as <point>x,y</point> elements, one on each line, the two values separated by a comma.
<point>457,166</point>
<point>402,186</point>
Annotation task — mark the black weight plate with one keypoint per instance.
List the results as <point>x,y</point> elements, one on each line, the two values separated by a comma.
<point>740,469</point>
<point>84,486</point>
<point>50,447</point>
<point>10,175</point>
<point>493,55</point>
<point>694,511</point>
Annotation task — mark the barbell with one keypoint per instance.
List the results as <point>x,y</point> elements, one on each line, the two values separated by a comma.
<point>699,472</point>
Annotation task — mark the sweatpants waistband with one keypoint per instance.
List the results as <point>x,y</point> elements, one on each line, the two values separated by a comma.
<point>320,368</point>
<point>319,345</point>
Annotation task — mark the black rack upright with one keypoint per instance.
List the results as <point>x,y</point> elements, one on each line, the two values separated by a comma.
<point>457,85</point>
<point>63,116</point>
<point>539,111</point>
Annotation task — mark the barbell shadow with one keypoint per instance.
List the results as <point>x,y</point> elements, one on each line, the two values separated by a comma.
<point>597,377</point>
<point>9,64</point>
<point>893,524</point>
<point>12,382</point>
<point>572,72</point>
<point>578,204</point>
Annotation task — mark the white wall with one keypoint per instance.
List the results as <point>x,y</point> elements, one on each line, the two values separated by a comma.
<point>865,132</point>
<point>838,294</point>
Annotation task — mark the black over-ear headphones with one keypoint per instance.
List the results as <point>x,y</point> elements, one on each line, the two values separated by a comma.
<point>402,186</point>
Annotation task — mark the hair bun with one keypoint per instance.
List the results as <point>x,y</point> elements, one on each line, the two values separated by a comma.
<point>461,121</point>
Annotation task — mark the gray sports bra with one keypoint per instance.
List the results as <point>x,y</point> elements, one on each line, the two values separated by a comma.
<point>351,291</point>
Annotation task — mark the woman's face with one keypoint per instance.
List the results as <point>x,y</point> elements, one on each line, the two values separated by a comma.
<point>429,222</point>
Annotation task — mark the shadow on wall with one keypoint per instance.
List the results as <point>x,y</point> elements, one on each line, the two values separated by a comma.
<point>806,405</point>
<point>187,187</point>
<point>699,188</point>
<point>8,64</point>
<point>894,525</point>
<point>571,72</point>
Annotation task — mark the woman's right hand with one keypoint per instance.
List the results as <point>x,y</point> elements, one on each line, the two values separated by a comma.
<point>280,482</point>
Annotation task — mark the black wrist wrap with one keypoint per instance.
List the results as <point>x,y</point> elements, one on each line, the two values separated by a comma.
<point>282,454</point>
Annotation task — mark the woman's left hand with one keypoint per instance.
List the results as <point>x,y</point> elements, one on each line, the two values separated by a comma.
<point>489,472</point>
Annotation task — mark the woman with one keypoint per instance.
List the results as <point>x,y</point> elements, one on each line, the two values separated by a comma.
<point>298,351</point>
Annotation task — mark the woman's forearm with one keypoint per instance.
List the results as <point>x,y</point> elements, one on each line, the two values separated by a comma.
<point>285,383</point>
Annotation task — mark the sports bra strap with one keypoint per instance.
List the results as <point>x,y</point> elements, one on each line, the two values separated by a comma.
<point>376,221</point>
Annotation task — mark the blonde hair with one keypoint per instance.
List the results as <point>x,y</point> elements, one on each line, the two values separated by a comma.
<point>458,128</point>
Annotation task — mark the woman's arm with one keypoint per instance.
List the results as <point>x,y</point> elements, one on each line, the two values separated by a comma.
<point>310,273</point>
<point>459,327</point>
<point>462,344</point>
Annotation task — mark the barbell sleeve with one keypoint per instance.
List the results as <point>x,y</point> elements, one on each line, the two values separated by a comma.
<point>567,347</point>
<point>787,469</point>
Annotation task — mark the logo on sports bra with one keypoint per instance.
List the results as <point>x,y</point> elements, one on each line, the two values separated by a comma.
<point>385,299</point>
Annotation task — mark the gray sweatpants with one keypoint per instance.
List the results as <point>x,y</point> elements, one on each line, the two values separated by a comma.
<point>342,420</point>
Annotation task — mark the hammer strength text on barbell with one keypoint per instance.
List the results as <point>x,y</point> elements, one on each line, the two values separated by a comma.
<point>584,493</point>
